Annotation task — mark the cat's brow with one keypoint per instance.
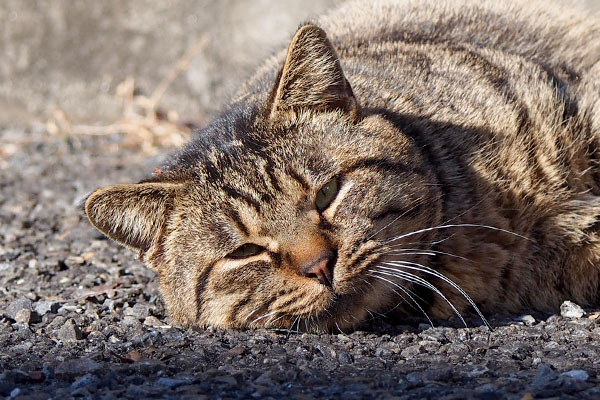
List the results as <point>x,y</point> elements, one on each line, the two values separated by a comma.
<point>234,216</point>
<point>297,177</point>
<point>382,164</point>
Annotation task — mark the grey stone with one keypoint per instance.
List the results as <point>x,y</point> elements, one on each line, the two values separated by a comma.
<point>383,352</point>
<point>86,381</point>
<point>526,319</point>
<point>414,377</point>
<point>229,380</point>
<point>139,311</point>
<point>577,374</point>
<point>477,370</point>
<point>76,367</point>
<point>154,322</point>
<point>569,309</point>
<point>344,357</point>
<point>26,316</point>
<point>173,383</point>
<point>149,367</point>
<point>264,379</point>
<point>544,375</point>
<point>17,305</point>
<point>69,331</point>
<point>552,319</point>
<point>43,307</point>
<point>411,351</point>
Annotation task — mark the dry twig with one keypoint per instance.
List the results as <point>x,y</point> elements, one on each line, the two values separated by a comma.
<point>143,123</point>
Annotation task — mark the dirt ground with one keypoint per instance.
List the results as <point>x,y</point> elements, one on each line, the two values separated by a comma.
<point>80,317</point>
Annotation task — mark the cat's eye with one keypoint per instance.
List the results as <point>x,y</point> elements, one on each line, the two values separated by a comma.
<point>326,194</point>
<point>246,250</point>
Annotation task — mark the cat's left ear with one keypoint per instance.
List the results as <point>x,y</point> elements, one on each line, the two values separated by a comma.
<point>311,78</point>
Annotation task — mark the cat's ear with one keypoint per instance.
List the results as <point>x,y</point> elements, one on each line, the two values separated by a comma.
<point>311,78</point>
<point>131,214</point>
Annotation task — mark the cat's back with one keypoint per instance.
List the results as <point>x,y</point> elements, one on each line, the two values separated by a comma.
<point>379,33</point>
<point>548,31</point>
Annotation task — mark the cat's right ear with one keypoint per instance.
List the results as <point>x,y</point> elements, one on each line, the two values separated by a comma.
<point>311,78</point>
<point>131,214</point>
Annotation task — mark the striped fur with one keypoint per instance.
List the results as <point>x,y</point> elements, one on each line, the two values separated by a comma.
<point>464,137</point>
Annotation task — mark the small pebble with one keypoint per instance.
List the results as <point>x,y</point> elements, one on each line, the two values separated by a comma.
<point>527,319</point>
<point>25,316</point>
<point>544,375</point>
<point>69,331</point>
<point>577,374</point>
<point>73,368</point>
<point>264,379</point>
<point>17,305</point>
<point>154,322</point>
<point>86,381</point>
<point>569,309</point>
<point>172,383</point>
<point>43,307</point>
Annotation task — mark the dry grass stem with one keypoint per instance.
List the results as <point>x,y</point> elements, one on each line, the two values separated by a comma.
<point>143,123</point>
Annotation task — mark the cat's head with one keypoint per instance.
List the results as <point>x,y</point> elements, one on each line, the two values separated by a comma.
<point>276,214</point>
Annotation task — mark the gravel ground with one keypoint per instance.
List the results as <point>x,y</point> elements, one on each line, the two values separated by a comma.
<point>80,317</point>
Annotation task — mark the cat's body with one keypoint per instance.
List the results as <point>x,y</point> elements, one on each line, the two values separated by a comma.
<point>465,138</point>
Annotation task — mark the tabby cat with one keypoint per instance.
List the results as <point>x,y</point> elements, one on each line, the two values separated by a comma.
<point>432,157</point>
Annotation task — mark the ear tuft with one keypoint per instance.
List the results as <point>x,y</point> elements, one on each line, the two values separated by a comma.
<point>312,77</point>
<point>131,214</point>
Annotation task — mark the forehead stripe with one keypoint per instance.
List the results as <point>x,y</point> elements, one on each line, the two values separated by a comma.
<point>383,164</point>
<point>246,198</point>
<point>272,178</point>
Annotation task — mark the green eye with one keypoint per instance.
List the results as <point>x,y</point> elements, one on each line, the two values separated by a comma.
<point>246,250</point>
<point>326,195</point>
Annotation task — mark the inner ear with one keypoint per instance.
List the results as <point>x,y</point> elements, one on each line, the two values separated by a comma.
<point>311,78</point>
<point>131,214</point>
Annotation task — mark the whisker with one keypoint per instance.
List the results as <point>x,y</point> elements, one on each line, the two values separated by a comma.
<point>426,253</point>
<point>250,314</point>
<point>431,271</point>
<point>418,280</point>
<point>455,226</point>
<point>402,297</point>
<point>277,319</point>
<point>263,316</point>
<point>429,243</point>
<point>407,291</point>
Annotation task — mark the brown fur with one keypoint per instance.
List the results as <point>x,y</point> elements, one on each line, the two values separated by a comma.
<point>478,117</point>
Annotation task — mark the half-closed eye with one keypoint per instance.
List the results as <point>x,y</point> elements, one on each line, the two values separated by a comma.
<point>326,194</point>
<point>246,250</point>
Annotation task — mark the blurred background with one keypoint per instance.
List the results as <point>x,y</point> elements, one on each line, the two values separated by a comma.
<point>64,60</point>
<point>72,55</point>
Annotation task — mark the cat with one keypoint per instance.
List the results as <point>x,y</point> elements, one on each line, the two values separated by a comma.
<point>432,157</point>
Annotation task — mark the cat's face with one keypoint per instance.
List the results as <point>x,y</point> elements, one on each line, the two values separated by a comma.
<point>281,223</point>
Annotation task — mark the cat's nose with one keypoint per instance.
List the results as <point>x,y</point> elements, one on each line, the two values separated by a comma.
<point>321,269</point>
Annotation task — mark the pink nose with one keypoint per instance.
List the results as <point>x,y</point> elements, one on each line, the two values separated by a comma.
<point>321,269</point>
